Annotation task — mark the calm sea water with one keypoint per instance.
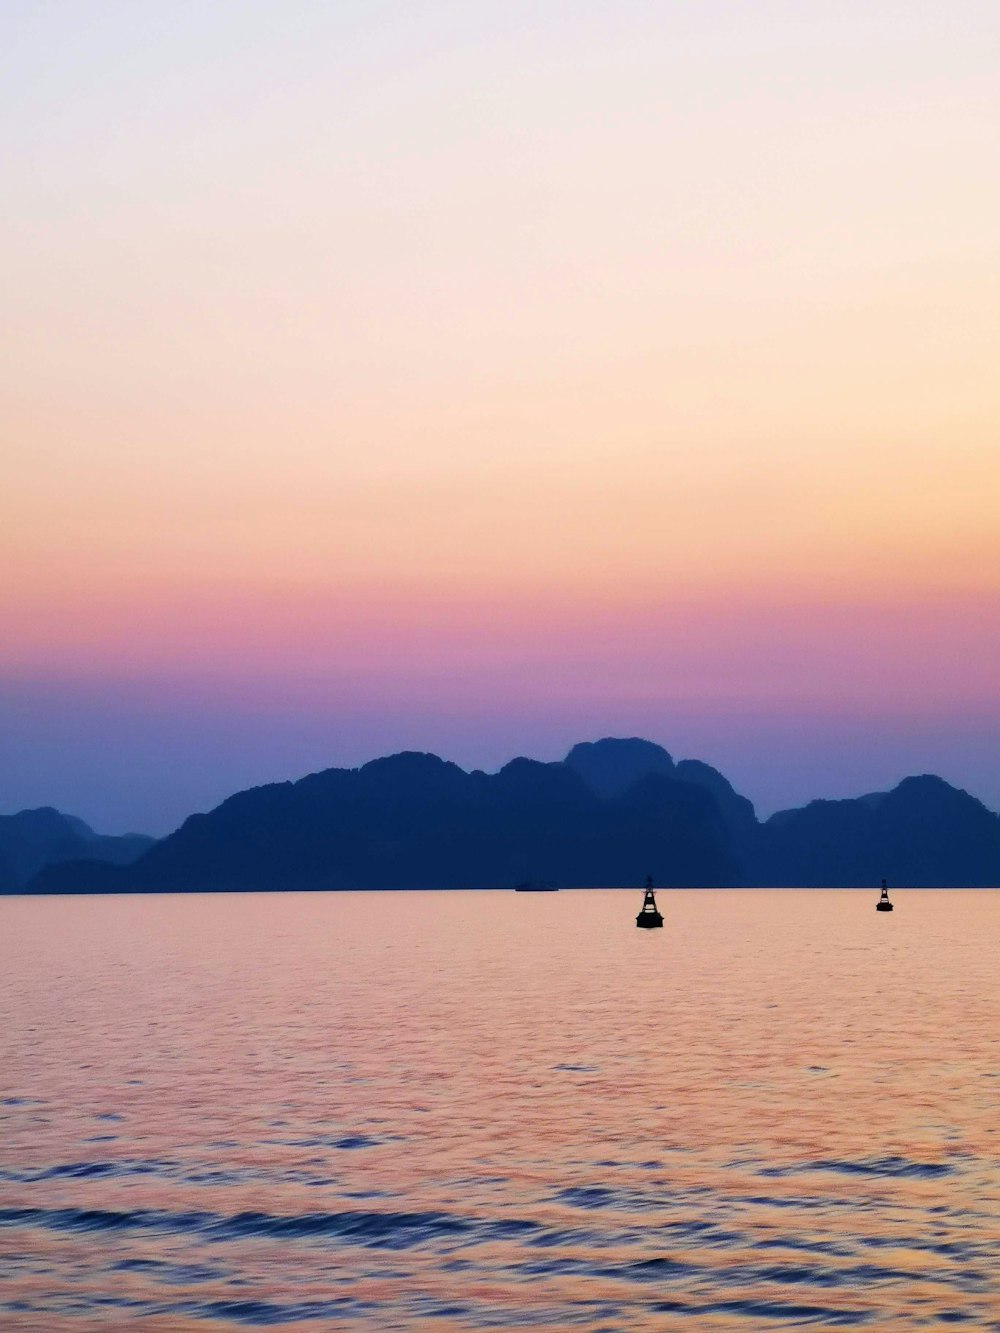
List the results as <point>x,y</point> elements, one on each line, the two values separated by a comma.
<point>458,1111</point>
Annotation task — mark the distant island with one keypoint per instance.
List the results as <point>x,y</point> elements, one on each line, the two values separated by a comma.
<point>33,840</point>
<point>610,813</point>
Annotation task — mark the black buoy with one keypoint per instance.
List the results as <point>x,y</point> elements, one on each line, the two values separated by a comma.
<point>883,904</point>
<point>649,917</point>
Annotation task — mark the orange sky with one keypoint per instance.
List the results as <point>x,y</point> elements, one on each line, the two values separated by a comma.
<point>651,348</point>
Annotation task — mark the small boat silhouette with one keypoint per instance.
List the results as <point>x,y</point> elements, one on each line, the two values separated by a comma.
<point>883,904</point>
<point>649,916</point>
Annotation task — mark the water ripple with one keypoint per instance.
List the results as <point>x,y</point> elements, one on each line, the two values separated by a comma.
<point>886,1167</point>
<point>442,1118</point>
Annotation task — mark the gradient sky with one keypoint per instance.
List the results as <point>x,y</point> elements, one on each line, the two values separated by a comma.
<point>485,377</point>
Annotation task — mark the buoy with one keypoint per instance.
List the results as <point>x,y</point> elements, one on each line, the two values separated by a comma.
<point>649,917</point>
<point>883,904</point>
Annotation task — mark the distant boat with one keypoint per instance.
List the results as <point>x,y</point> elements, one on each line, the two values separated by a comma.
<point>883,904</point>
<point>528,887</point>
<point>649,916</point>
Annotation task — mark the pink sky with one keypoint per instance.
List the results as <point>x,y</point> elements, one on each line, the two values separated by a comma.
<point>431,374</point>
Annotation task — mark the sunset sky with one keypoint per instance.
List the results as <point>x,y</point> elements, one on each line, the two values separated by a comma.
<point>483,377</point>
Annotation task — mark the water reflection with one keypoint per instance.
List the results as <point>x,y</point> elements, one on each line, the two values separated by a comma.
<point>499,1111</point>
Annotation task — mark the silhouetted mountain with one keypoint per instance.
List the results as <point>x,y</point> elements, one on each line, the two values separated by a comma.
<point>415,821</point>
<point>34,839</point>
<point>736,810</point>
<point>81,876</point>
<point>609,767</point>
<point>924,833</point>
<point>613,812</point>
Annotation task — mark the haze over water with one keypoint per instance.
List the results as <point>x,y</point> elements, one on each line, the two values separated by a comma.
<point>488,1110</point>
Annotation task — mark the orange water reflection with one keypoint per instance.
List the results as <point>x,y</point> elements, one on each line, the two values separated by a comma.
<point>452,1111</point>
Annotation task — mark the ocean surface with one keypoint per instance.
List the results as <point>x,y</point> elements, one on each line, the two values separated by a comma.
<point>456,1111</point>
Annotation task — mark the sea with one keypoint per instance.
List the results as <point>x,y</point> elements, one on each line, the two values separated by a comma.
<point>495,1110</point>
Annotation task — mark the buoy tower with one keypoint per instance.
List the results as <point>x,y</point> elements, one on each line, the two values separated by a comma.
<point>883,904</point>
<point>649,917</point>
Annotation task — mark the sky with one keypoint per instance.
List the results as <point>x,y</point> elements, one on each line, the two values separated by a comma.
<point>481,378</point>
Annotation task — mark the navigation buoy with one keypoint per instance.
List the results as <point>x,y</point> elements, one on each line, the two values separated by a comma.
<point>883,904</point>
<point>649,917</point>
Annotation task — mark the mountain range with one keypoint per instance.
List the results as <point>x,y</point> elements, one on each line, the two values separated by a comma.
<point>610,813</point>
<point>33,839</point>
